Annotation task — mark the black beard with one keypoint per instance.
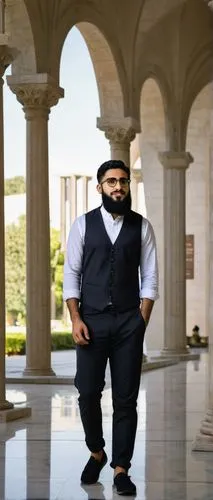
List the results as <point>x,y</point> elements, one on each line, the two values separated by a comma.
<point>120,207</point>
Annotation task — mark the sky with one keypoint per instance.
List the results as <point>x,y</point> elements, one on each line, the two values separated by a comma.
<point>75,144</point>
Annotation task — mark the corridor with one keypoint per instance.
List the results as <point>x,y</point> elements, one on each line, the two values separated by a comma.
<point>41,457</point>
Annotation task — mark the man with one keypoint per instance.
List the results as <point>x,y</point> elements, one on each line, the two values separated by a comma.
<point>107,249</point>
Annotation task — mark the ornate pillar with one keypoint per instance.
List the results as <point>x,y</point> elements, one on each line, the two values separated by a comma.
<point>175,165</point>
<point>204,437</point>
<point>120,135</point>
<point>5,59</point>
<point>37,93</point>
<point>7,409</point>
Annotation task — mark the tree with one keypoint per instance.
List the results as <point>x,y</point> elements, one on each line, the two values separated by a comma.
<point>15,265</point>
<point>56,263</point>
<point>15,185</point>
<point>15,268</point>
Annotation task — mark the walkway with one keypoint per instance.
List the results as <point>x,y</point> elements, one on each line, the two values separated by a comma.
<point>42,456</point>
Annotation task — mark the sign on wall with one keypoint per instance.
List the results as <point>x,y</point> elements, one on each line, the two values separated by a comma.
<point>189,256</point>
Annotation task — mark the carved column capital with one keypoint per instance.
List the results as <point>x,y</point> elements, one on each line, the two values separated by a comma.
<point>119,134</point>
<point>122,132</point>
<point>35,91</point>
<point>36,95</point>
<point>175,160</point>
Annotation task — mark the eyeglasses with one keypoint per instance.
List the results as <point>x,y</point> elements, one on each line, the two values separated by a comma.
<point>112,181</point>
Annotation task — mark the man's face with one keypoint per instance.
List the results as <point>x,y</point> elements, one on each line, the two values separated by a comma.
<point>118,191</point>
<point>114,188</point>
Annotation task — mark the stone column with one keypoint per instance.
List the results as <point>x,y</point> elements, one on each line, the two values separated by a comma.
<point>4,60</point>
<point>63,183</point>
<point>175,165</point>
<point>85,193</point>
<point>120,139</point>
<point>120,135</point>
<point>7,409</point>
<point>136,177</point>
<point>37,93</point>
<point>204,438</point>
<point>73,198</point>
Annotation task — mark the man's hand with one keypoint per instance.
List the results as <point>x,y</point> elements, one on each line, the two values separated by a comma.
<point>79,329</point>
<point>146,309</point>
<point>80,332</point>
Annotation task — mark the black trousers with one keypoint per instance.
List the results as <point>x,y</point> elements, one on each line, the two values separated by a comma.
<point>119,338</point>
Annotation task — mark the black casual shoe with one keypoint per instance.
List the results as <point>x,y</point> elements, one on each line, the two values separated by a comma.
<point>124,485</point>
<point>92,469</point>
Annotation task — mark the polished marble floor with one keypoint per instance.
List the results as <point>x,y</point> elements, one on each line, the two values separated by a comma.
<point>41,457</point>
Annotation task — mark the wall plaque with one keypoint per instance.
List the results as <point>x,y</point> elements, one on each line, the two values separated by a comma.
<point>190,256</point>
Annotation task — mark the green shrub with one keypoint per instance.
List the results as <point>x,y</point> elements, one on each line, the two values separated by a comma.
<point>16,342</point>
<point>61,341</point>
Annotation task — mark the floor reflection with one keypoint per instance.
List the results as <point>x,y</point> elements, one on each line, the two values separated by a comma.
<point>42,457</point>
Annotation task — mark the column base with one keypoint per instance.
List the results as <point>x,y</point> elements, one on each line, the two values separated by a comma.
<point>5,405</point>
<point>38,372</point>
<point>204,438</point>
<point>166,351</point>
<point>181,354</point>
<point>14,413</point>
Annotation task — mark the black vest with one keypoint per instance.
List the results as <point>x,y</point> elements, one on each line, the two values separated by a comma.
<point>110,273</point>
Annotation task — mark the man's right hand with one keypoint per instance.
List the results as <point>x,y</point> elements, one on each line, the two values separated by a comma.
<point>80,332</point>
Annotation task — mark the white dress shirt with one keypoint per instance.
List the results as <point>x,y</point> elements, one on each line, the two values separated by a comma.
<point>75,248</point>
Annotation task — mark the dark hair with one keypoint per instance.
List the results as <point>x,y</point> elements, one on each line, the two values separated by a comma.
<point>107,165</point>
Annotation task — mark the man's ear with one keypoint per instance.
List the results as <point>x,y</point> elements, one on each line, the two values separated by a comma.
<point>99,188</point>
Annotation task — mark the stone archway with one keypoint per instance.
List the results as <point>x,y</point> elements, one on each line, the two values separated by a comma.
<point>18,25</point>
<point>38,92</point>
<point>109,87</point>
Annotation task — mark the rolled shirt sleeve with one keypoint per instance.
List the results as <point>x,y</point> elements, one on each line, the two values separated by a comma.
<point>148,263</point>
<point>73,260</point>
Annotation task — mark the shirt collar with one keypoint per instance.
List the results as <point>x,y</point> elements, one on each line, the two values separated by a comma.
<point>107,216</point>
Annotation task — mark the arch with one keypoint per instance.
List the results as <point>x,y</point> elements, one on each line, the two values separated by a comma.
<point>154,72</point>
<point>109,87</point>
<point>152,91</point>
<point>51,32</point>
<point>156,53</point>
<point>21,36</point>
<point>199,74</point>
